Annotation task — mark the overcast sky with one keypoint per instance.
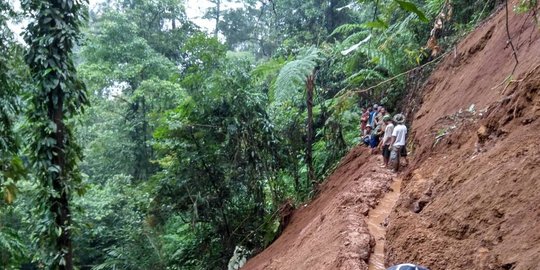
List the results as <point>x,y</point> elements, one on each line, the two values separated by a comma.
<point>195,9</point>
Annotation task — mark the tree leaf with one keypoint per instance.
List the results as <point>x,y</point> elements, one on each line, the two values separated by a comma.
<point>408,6</point>
<point>377,24</point>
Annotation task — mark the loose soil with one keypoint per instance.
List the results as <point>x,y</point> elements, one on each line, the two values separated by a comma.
<point>471,197</point>
<point>331,232</point>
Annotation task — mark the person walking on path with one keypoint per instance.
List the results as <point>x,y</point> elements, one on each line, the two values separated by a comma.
<point>386,140</point>
<point>399,135</point>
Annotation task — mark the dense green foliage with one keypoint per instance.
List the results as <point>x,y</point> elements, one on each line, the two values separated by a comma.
<point>193,141</point>
<point>11,165</point>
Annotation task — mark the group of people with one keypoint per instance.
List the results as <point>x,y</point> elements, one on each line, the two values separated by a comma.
<point>380,131</point>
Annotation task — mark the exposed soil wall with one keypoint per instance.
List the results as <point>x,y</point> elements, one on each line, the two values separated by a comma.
<point>472,200</point>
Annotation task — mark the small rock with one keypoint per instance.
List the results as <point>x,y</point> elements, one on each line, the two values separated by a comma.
<point>527,121</point>
<point>471,108</point>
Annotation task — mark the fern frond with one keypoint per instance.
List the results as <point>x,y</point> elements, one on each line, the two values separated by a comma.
<point>268,68</point>
<point>433,7</point>
<point>381,58</point>
<point>355,38</point>
<point>293,75</point>
<point>347,29</point>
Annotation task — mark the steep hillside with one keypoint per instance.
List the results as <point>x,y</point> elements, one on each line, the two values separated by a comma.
<point>474,198</point>
<point>470,200</point>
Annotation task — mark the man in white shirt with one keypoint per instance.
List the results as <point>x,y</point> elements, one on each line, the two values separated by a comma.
<point>387,139</point>
<point>399,136</point>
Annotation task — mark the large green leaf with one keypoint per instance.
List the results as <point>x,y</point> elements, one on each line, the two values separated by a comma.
<point>408,6</point>
<point>377,24</point>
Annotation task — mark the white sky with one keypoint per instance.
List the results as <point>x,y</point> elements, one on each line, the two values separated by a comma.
<point>195,9</point>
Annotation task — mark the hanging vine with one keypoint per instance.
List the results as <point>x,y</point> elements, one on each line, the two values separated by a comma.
<point>58,96</point>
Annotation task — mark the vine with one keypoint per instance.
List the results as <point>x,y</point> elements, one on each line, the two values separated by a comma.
<point>58,96</point>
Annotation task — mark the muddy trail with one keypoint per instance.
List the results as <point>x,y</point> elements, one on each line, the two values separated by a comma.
<point>470,198</point>
<point>332,231</point>
<point>377,221</point>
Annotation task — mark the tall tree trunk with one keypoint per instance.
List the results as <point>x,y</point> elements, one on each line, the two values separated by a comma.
<point>146,151</point>
<point>331,16</point>
<point>218,15</point>
<point>310,85</point>
<point>60,204</point>
<point>139,134</point>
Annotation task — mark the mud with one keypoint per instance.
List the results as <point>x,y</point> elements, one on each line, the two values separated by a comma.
<point>378,221</point>
<point>331,232</point>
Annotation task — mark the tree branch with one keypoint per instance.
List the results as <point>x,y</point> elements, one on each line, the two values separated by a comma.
<point>510,39</point>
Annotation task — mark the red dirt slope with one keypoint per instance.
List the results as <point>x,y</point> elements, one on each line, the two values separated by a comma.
<point>473,201</point>
<point>331,232</point>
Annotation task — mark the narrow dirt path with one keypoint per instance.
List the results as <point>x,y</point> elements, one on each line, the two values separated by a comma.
<point>376,221</point>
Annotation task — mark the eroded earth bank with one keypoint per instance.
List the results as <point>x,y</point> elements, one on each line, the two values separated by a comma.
<point>473,199</point>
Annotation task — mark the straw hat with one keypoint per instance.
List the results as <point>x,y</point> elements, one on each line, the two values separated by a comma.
<point>399,118</point>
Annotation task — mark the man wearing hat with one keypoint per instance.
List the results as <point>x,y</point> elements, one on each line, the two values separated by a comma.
<point>399,135</point>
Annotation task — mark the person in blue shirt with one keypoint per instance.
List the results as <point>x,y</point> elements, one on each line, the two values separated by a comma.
<point>372,114</point>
